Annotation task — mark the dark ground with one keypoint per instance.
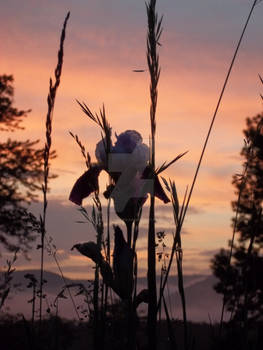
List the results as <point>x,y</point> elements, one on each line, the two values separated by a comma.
<point>58,334</point>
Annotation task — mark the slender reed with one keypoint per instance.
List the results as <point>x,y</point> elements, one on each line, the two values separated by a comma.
<point>179,227</point>
<point>153,37</point>
<point>97,222</point>
<point>178,252</point>
<point>52,252</point>
<point>217,107</point>
<point>51,102</point>
<point>108,259</point>
<point>98,337</point>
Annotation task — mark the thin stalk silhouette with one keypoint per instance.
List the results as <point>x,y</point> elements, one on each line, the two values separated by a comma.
<point>51,102</point>
<point>206,141</point>
<point>217,107</point>
<point>53,254</point>
<point>153,37</point>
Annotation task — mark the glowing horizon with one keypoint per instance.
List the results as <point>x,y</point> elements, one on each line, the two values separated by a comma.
<point>104,44</point>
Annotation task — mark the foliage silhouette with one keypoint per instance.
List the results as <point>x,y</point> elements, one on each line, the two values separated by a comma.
<point>241,282</point>
<point>10,117</point>
<point>21,175</point>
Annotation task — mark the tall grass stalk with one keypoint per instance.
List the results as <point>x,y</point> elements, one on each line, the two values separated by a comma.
<point>217,107</point>
<point>97,221</point>
<point>51,102</point>
<point>178,252</point>
<point>98,337</point>
<point>108,259</point>
<point>52,252</point>
<point>153,37</point>
<point>180,224</point>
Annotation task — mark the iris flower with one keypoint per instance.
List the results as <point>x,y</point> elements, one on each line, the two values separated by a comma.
<point>127,163</point>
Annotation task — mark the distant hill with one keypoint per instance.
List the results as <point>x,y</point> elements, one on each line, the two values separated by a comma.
<point>54,281</point>
<point>202,301</point>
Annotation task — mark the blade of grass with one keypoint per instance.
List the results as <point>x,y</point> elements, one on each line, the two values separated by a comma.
<point>260,78</point>
<point>51,102</point>
<point>153,36</point>
<point>164,166</point>
<point>217,107</point>
<point>183,212</point>
<point>53,254</point>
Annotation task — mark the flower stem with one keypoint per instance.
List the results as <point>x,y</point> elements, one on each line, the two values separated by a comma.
<point>129,232</point>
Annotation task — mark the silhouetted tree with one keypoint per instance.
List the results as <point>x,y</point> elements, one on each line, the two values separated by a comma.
<point>20,175</point>
<point>241,282</point>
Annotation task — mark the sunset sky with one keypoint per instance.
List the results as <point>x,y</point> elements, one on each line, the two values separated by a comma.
<point>105,42</point>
